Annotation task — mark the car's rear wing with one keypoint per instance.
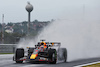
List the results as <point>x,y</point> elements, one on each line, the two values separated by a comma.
<point>55,43</point>
<point>50,44</point>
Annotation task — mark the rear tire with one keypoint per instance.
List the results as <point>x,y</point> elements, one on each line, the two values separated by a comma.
<point>19,54</point>
<point>63,54</point>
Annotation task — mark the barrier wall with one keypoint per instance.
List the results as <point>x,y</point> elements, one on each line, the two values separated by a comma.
<point>7,48</point>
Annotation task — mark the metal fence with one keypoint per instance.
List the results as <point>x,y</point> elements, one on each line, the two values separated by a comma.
<point>7,48</point>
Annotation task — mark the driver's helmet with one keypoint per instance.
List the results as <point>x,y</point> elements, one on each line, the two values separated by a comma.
<point>43,43</point>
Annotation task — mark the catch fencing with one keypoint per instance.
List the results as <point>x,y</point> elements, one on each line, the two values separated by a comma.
<point>7,48</point>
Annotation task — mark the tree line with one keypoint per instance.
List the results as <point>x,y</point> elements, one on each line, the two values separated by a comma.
<point>14,31</point>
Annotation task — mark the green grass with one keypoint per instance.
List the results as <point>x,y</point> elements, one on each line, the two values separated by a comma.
<point>6,53</point>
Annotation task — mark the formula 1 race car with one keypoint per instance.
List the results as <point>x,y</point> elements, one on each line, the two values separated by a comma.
<point>43,51</point>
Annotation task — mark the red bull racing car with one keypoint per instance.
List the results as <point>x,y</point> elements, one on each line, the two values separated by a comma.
<point>43,51</point>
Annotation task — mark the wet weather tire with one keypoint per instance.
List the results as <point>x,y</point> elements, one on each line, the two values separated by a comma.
<point>53,56</point>
<point>65,54</point>
<point>62,54</point>
<point>19,54</point>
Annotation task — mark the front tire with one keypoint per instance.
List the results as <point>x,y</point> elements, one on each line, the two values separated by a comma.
<point>53,56</point>
<point>19,54</point>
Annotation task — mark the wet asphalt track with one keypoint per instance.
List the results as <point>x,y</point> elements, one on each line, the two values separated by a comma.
<point>6,61</point>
